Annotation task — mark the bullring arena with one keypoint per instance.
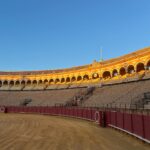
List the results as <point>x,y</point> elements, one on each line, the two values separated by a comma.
<point>82,107</point>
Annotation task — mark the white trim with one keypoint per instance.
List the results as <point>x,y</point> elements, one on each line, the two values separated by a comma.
<point>95,116</point>
<point>139,137</point>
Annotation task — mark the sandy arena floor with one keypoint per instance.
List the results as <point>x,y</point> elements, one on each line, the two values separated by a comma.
<point>36,132</point>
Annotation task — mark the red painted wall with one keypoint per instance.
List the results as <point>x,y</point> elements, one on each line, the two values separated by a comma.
<point>137,124</point>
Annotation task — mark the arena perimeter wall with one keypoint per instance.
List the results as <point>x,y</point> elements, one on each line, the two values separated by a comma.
<point>134,124</point>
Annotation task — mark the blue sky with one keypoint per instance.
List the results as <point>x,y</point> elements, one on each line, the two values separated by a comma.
<point>52,34</point>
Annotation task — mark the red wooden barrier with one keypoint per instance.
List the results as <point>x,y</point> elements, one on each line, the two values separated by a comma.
<point>97,116</point>
<point>62,111</point>
<point>133,123</point>
<point>120,120</point>
<point>113,118</point>
<point>46,110</point>
<point>65,112</point>
<point>93,114</point>
<point>84,113</point>
<point>76,112</point>
<point>89,114</point>
<point>107,117</point>
<point>49,110</point>
<point>138,127</point>
<point>128,122</point>
<point>73,112</point>
<point>102,118</point>
<point>80,112</point>
<point>36,109</point>
<point>147,127</point>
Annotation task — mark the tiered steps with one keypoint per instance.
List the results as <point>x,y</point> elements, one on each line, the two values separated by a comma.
<point>16,88</point>
<point>28,88</point>
<point>5,88</point>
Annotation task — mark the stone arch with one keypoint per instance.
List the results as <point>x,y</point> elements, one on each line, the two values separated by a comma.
<point>73,79</point>
<point>79,78</point>
<point>95,75</point>
<point>57,80</point>
<point>23,82</point>
<point>140,67</point>
<point>45,81</point>
<point>130,69</point>
<point>17,83</point>
<point>148,65</point>
<point>122,71</point>
<point>67,79</point>
<point>34,82</point>
<point>5,82</point>
<point>51,81</point>
<point>11,83</point>
<point>40,82</point>
<point>29,82</point>
<point>62,80</point>
<point>85,77</point>
<point>106,75</point>
<point>114,73</point>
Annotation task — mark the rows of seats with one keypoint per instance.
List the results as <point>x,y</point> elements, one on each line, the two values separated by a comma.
<point>114,94</point>
<point>127,93</point>
<point>39,98</point>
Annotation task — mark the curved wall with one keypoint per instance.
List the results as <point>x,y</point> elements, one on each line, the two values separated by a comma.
<point>98,72</point>
<point>136,124</point>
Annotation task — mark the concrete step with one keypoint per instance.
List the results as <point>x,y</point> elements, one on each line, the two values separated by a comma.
<point>147,106</point>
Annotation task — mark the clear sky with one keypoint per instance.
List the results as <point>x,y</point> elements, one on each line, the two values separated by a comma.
<point>52,34</point>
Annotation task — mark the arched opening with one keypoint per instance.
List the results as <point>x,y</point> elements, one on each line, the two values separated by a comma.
<point>62,80</point>
<point>85,77</point>
<point>122,71</point>
<point>57,80</point>
<point>5,83</point>
<point>114,73</point>
<point>45,81</point>
<point>40,82</point>
<point>34,82</point>
<point>79,78</point>
<point>148,65</point>
<point>29,82</point>
<point>0,83</point>
<point>106,75</point>
<point>130,69</point>
<point>51,81</point>
<point>11,83</point>
<point>23,82</point>
<point>68,79</point>
<point>73,79</point>
<point>17,83</point>
<point>95,75</point>
<point>140,67</point>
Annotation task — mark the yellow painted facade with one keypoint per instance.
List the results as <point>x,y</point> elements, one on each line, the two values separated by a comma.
<point>122,67</point>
